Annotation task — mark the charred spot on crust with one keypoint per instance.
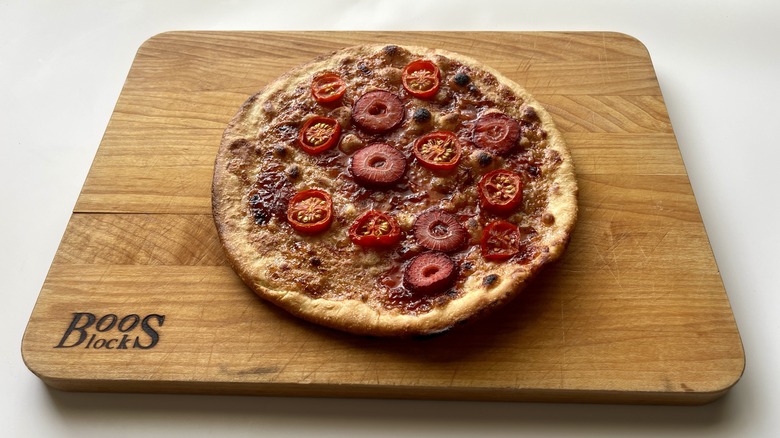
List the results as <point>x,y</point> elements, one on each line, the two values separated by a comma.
<point>269,196</point>
<point>315,261</point>
<point>364,69</point>
<point>239,144</point>
<point>529,114</point>
<point>390,50</point>
<point>261,216</point>
<point>294,172</point>
<point>489,280</point>
<point>280,150</point>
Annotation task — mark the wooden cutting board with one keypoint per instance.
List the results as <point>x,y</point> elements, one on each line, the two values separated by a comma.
<point>140,297</point>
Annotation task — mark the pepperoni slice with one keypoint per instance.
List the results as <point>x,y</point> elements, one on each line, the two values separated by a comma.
<point>429,273</point>
<point>439,231</point>
<point>378,111</point>
<point>496,132</point>
<point>378,165</point>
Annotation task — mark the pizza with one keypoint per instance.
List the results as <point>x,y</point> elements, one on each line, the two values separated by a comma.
<point>392,190</point>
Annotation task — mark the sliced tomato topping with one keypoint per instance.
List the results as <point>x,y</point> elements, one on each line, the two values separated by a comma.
<point>438,150</point>
<point>430,272</point>
<point>378,165</point>
<point>310,211</point>
<point>500,191</point>
<point>496,132</point>
<point>440,231</point>
<point>328,87</point>
<point>378,111</point>
<point>500,241</point>
<point>375,228</point>
<point>319,134</point>
<point>421,78</point>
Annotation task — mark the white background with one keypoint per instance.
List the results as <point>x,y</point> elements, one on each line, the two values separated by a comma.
<point>62,66</point>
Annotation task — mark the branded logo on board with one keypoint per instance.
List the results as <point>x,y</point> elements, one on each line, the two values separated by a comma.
<point>111,332</point>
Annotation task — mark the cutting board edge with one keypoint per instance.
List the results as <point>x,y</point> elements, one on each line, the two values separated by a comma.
<point>265,389</point>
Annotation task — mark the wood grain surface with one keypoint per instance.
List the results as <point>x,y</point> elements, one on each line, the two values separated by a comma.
<point>635,312</point>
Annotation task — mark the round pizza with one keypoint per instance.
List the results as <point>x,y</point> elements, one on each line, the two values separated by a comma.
<point>392,191</point>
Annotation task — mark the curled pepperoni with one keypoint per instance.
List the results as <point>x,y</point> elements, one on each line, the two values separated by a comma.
<point>429,273</point>
<point>377,165</point>
<point>439,231</point>
<point>378,111</point>
<point>496,132</point>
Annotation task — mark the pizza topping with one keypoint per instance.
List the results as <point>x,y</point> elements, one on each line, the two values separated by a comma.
<point>500,241</point>
<point>429,273</point>
<point>375,228</point>
<point>500,191</point>
<point>328,87</point>
<point>378,165</point>
<point>438,150</point>
<point>378,111</point>
<point>350,143</point>
<point>310,211</point>
<point>484,159</point>
<point>421,78</point>
<point>496,132</point>
<point>319,134</point>
<point>462,79</point>
<point>440,231</point>
<point>422,115</point>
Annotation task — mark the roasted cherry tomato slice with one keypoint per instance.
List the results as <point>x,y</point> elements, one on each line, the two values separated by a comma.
<point>500,241</point>
<point>319,134</point>
<point>328,87</point>
<point>310,211</point>
<point>496,132</point>
<point>438,150</point>
<point>500,191</point>
<point>421,78</point>
<point>375,228</point>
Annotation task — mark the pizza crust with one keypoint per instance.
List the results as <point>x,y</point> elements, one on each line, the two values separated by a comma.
<point>256,263</point>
